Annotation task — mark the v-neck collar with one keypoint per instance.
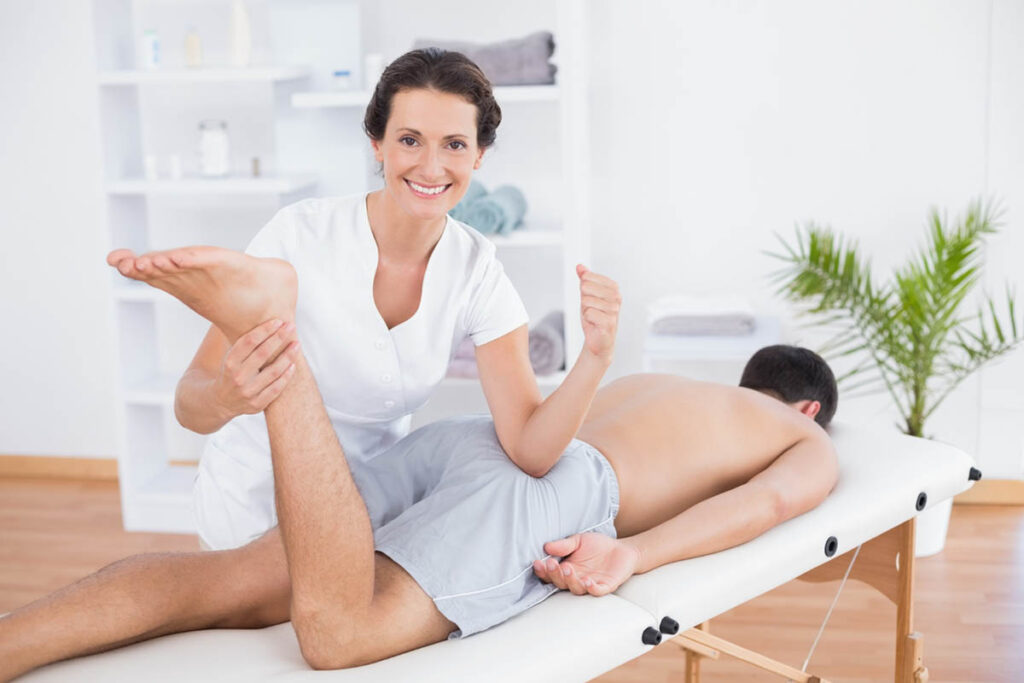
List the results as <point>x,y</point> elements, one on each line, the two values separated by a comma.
<point>369,245</point>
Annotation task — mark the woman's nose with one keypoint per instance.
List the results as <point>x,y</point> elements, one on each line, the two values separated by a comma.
<point>432,167</point>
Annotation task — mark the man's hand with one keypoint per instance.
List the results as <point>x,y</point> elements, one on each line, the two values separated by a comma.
<point>599,311</point>
<point>591,563</point>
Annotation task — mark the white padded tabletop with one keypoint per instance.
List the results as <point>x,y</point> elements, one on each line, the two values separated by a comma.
<point>881,475</point>
<point>575,638</point>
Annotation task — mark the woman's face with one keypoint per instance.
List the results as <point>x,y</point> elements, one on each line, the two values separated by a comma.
<point>429,151</point>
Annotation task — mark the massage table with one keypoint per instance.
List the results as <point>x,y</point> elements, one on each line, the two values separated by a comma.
<point>885,480</point>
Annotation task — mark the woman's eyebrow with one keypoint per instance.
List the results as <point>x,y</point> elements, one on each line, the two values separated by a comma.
<point>446,137</point>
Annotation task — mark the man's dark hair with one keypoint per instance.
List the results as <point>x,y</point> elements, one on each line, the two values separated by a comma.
<point>793,373</point>
<point>435,69</point>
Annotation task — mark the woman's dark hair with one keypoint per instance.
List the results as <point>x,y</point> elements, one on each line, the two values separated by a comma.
<point>793,373</point>
<point>435,69</point>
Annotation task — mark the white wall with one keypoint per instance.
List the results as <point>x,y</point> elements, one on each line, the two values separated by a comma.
<point>727,122</point>
<point>56,367</point>
<point>714,125</point>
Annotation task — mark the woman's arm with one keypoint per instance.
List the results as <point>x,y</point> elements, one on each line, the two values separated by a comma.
<point>535,432</point>
<point>224,381</point>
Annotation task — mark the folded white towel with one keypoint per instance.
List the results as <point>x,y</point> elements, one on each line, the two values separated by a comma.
<point>682,314</point>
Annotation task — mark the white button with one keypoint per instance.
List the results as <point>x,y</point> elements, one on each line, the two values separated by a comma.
<point>389,404</point>
<point>379,344</point>
<point>385,378</point>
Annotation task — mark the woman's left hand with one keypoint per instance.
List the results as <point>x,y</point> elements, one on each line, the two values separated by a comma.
<point>599,311</point>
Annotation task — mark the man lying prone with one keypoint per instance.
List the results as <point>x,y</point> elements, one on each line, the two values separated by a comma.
<point>442,536</point>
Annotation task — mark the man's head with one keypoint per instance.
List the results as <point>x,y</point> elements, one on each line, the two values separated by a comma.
<point>796,376</point>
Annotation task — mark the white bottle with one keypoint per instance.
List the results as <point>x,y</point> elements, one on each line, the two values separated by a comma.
<point>213,148</point>
<point>241,34</point>
<point>150,49</point>
<point>193,48</point>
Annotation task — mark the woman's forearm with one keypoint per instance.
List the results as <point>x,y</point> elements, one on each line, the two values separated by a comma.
<point>195,404</point>
<point>554,423</point>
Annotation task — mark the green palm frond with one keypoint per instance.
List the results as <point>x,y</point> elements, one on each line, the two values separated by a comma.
<point>907,335</point>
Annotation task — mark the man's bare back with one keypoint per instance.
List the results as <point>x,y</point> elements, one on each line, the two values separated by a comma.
<point>674,442</point>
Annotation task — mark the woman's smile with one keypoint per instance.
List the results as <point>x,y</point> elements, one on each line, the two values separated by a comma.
<point>427,191</point>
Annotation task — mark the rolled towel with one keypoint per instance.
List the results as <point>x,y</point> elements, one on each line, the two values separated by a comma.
<point>684,315</point>
<point>475,191</point>
<point>547,344</point>
<point>520,61</point>
<point>498,212</point>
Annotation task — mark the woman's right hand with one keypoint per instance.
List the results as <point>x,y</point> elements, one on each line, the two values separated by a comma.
<point>256,368</point>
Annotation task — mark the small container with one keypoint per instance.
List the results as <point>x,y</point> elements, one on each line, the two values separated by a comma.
<point>214,150</point>
<point>341,79</point>
<point>150,49</point>
<point>193,48</point>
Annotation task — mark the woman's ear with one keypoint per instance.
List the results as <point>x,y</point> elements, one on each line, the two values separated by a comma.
<point>479,159</point>
<point>377,153</point>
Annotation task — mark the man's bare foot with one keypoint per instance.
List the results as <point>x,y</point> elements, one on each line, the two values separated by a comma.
<point>234,291</point>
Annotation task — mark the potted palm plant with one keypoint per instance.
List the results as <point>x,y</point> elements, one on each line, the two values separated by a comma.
<point>909,335</point>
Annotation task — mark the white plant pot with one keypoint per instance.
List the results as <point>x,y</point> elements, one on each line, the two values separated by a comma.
<point>932,524</point>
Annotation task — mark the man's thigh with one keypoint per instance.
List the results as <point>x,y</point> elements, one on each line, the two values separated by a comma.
<point>249,587</point>
<point>403,617</point>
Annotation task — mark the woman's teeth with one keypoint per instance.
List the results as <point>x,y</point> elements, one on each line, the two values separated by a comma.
<point>427,190</point>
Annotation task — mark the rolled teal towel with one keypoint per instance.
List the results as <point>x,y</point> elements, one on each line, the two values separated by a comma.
<point>476,191</point>
<point>498,212</point>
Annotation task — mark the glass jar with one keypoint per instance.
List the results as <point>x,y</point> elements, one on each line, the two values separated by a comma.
<point>213,148</point>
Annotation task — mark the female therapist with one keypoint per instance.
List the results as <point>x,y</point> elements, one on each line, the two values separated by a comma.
<point>389,285</point>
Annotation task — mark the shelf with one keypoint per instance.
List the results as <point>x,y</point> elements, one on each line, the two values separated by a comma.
<point>360,98</point>
<point>154,391</point>
<point>528,238</point>
<point>257,74</point>
<point>213,186</point>
<point>552,380</point>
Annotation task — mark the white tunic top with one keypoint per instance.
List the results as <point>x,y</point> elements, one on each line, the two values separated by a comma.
<point>371,378</point>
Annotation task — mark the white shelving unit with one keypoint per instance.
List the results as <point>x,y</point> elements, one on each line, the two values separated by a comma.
<point>309,141</point>
<point>268,74</point>
<point>218,186</point>
<point>156,111</point>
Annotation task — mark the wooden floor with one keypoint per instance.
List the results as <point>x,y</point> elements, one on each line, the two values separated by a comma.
<point>969,606</point>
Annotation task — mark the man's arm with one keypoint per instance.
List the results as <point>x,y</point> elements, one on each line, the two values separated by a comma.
<point>797,481</point>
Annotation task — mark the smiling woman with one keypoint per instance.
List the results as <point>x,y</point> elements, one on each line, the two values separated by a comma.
<point>388,286</point>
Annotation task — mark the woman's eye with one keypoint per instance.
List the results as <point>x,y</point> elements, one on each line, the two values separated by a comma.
<point>407,141</point>
<point>457,144</point>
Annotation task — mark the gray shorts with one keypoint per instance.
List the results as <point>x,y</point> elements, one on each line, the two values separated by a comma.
<point>466,523</point>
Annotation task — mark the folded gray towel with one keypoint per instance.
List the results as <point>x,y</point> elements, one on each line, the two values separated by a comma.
<point>547,344</point>
<point>476,191</point>
<point>520,61</point>
<point>500,211</point>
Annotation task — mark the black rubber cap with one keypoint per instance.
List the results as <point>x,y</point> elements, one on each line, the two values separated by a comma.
<point>669,626</point>
<point>922,500</point>
<point>831,546</point>
<point>975,474</point>
<point>652,636</point>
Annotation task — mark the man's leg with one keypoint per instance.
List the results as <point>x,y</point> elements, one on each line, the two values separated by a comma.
<point>145,596</point>
<point>349,605</point>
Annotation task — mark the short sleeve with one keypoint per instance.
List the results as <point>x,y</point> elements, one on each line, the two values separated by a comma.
<point>277,238</point>
<point>494,307</point>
